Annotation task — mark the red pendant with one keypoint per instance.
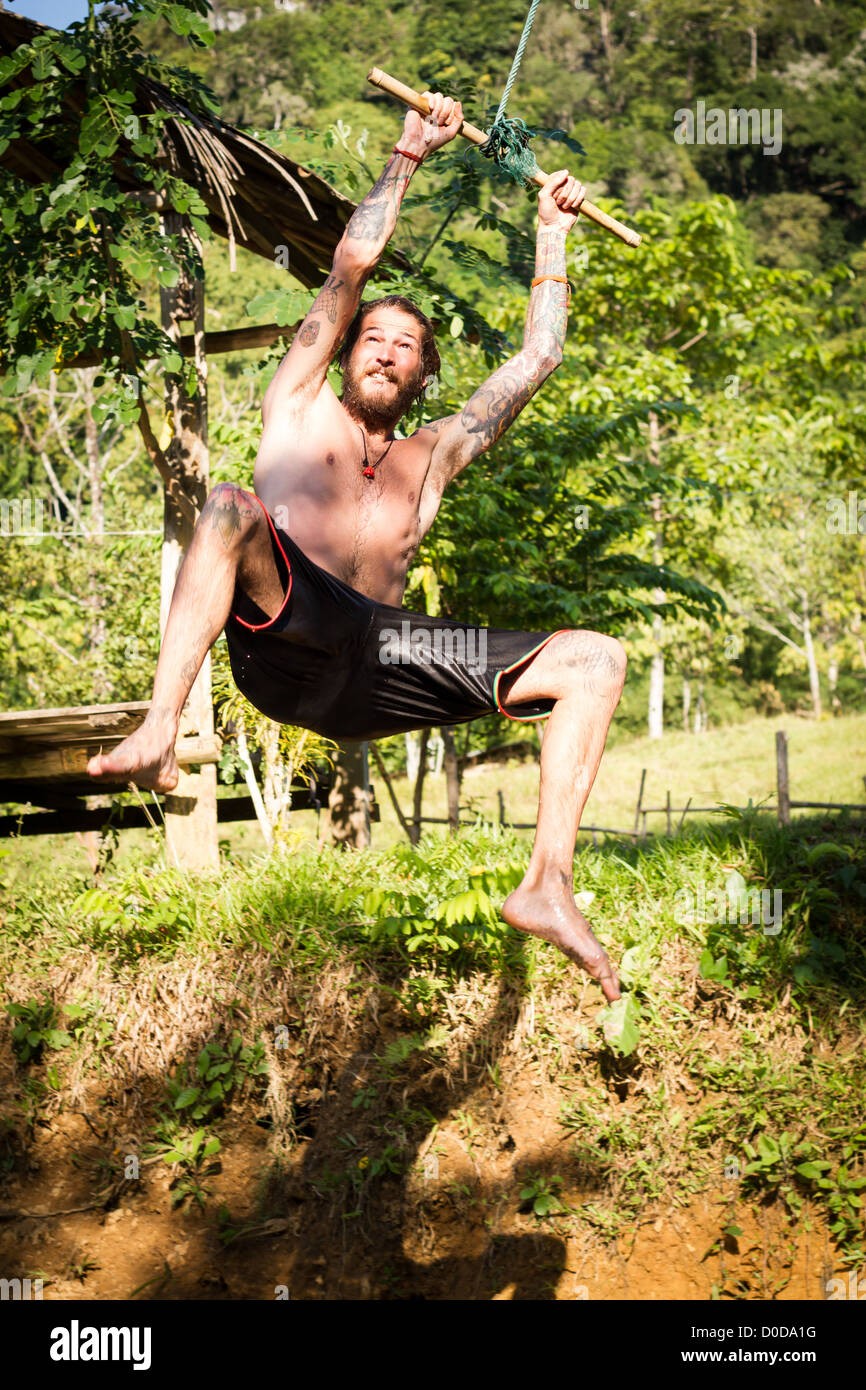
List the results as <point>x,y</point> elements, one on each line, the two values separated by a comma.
<point>368,472</point>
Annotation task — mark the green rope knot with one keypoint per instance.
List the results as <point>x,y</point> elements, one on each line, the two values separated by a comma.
<point>507,145</point>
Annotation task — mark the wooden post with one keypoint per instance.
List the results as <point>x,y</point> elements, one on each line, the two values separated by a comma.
<point>190,810</point>
<point>668,809</point>
<point>501,799</point>
<point>452,780</point>
<point>782,793</point>
<point>349,800</point>
<point>639,801</point>
<point>417,799</point>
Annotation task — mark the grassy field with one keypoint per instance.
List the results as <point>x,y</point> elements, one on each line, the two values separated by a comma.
<point>345,1075</point>
<point>827,762</point>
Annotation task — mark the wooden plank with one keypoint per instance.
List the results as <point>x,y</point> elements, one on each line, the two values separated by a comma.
<point>61,762</point>
<point>56,725</point>
<point>219,340</point>
<point>829,805</point>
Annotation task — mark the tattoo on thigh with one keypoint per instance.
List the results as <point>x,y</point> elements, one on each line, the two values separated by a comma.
<point>226,516</point>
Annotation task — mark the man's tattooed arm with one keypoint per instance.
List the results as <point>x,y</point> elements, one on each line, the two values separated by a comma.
<point>304,369</point>
<point>548,302</point>
<point>496,404</point>
<point>373,221</point>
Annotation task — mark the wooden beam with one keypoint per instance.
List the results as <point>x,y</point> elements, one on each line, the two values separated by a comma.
<point>61,761</point>
<point>222,340</point>
<point>229,809</point>
<point>49,725</point>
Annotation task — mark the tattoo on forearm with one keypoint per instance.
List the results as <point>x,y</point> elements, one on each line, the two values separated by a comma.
<point>369,220</point>
<point>189,671</point>
<point>327,298</point>
<point>500,400</point>
<point>547,314</point>
<point>309,333</point>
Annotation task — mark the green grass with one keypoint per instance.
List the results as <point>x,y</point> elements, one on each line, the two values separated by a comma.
<point>732,764</point>
<point>741,1045</point>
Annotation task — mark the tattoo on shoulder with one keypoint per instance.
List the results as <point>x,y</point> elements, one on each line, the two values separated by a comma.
<point>308,334</point>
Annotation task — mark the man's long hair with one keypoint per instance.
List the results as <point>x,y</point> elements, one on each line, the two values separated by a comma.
<point>430,361</point>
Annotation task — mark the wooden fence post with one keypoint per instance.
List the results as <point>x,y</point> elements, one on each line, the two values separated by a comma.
<point>639,801</point>
<point>782,793</point>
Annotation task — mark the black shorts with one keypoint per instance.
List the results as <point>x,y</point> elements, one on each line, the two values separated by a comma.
<point>334,661</point>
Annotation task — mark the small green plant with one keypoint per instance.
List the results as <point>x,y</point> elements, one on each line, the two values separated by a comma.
<point>841,1192</point>
<point>78,1266</point>
<point>432,923</point>
<point>198,1092</point>
<point>190,1153</point>
<point>201,1089</point>
<point>539,1195</point>
<point>36,1028</point>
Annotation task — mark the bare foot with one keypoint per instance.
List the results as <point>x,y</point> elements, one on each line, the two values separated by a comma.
<point>146,758</point>
<point>549,911</point>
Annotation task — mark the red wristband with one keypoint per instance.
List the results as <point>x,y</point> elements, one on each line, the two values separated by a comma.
<point>417,157</point>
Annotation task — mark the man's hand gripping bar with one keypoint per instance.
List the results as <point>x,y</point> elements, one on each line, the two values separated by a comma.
<point>419,103</point>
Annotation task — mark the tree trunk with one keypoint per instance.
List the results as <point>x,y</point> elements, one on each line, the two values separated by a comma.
<point>700,722</point>
<point>809,645</point>
<point>753,52</point>
<point>349,801</point>
<point>419,787</point>
<point>832,682</point>
<point>413,753</point>
<point>687,700</point>
<point>656,711</point>
<point>452,781</point>
<point>100,683</point>
<point>190,810</point>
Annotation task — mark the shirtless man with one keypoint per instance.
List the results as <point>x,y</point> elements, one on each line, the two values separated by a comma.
<point>306,603</point>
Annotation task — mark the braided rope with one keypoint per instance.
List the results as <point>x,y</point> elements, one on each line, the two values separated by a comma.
<point>508,138</point>
<point>518,58</point>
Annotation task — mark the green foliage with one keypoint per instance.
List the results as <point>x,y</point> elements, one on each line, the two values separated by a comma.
<point>541,1195</point>
<point>423,920</point>
<point>79,251</point>
<point>190,1155</point>
<point>621,1024</point>
<point>200,1089</point>
<point>153,917</point>
<point>36,1028</point>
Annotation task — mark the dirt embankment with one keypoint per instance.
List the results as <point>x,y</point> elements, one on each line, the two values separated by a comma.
<point>380,1159</point>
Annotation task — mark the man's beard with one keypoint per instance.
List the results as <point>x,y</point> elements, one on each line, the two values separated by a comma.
<point>378,409</point>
